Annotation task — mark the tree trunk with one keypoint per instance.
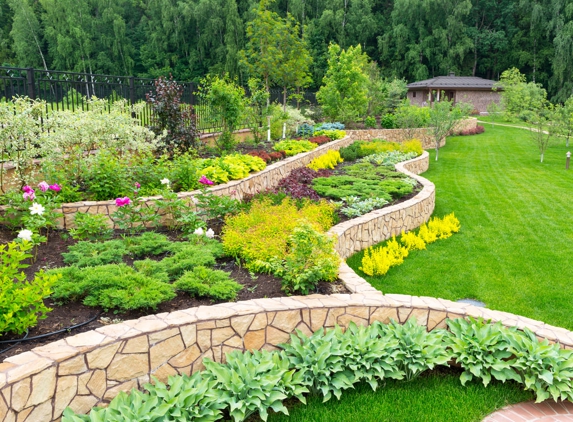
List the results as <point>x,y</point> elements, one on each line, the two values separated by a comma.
<point>541,157</point>
<point>284,98</point>
<point>437,150</point>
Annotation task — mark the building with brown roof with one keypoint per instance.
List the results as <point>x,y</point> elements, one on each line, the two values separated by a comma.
<point>467,89</point>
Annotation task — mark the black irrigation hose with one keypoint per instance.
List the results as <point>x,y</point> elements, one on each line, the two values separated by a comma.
<point>15,344</point>
<point>26,338</point>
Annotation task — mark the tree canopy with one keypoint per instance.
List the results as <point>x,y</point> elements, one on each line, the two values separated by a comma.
<point>410,39</point>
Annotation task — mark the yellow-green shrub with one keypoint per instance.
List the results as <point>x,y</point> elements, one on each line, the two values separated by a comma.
<point>377,261</point>
<point>333,134</point>
<point>412,241</point>
<point>263,232</point>
<point>326,161</point>
<point>413,145</point>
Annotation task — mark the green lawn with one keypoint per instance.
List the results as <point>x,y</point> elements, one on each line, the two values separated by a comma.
<point>515,249</point>
<point>436,397</point>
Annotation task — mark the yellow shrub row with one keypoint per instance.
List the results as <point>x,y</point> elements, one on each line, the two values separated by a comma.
<point>377,261</point>
<point>326,161</point>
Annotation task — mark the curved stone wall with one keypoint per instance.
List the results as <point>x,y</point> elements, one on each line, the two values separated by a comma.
<point>367,230</point>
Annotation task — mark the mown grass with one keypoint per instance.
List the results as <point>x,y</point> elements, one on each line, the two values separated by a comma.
<point>515,248</point>
<point>435,397</point>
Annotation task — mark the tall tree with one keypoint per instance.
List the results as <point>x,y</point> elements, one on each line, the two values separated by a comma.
<point>27,36</point>
<point>262,54</point>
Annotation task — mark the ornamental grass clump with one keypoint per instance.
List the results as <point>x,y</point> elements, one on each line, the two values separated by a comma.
<point>378,260</point>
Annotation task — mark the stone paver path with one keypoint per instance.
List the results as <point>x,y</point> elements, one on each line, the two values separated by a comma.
<point>547,411</point>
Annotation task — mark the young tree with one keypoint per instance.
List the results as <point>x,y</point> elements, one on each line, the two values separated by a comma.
<point>293,71</point>
<point>262,54</point>
<point>563,120</point>
<point>540,128</point>
<point>257,109</point>
<point>518,98</point>
<point>443,117</point>
<point>227,103</point>
<point>493,109</point>
<point>344,93</point>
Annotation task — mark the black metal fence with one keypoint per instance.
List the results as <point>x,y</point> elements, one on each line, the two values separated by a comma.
<point>70,90</point>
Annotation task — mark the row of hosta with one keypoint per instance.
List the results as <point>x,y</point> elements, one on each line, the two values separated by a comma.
<point>327,363</point>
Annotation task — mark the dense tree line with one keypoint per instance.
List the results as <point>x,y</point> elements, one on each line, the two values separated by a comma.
<point>411,39</point>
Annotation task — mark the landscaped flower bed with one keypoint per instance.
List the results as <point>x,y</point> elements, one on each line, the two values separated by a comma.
<point>328,363</point>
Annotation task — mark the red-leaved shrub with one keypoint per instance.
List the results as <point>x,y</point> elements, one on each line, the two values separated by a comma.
<point>322,139</point>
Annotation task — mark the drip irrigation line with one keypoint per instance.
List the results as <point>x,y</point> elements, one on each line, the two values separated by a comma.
<point>15,344</point>
<point>26,338</point>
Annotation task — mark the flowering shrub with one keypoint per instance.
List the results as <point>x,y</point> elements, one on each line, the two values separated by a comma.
<point>326,161</point>
<point>377,261</point>
<point>21,301</point>
<point>294,147</point>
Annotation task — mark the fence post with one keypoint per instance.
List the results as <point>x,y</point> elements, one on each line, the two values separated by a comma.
<point>132,90</point>
<point>31,83</point>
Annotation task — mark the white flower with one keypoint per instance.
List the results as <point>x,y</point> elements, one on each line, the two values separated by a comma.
<point>210,234</point>
<point>198,232</point>
<point>25,234</point>
<point>165,181</point>
<point>37,209</point>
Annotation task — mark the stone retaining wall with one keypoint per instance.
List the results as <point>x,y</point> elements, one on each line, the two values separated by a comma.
<point>367,230</point>
<point>400,135</point>
<point>256,182</point>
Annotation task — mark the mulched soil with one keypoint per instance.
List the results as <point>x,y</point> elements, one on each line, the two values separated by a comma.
<point>63,316</point>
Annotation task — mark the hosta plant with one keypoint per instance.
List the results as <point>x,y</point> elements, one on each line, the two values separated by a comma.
<point>544,368</point>
<point>184,398</point>
<point>418,349</point>
<point>481,348</point>
<point>253,382</point>
<point>372,358</point>
<point>320,359</point>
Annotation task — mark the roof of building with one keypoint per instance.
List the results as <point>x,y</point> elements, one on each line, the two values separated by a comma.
<point>451,81</point>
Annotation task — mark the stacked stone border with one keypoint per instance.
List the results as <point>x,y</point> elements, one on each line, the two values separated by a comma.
<point>265,179</point>
<point>93,367</point>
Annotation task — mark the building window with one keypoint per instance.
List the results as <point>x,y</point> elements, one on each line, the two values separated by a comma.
<point>414,94</point>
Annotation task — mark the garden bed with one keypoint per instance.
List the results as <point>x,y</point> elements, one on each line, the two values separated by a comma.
<point>49,256</point>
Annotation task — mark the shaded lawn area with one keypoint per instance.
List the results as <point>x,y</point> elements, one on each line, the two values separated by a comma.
<point>432,398</point>
<point>515,249</point>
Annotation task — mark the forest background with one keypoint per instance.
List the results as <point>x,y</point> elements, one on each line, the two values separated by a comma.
<point>410,39</point>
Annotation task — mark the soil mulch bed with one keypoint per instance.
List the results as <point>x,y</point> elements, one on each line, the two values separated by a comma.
<point>70,314</point>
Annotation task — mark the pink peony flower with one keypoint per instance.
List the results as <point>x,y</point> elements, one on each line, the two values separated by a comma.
<point>43,186</point>
<point>120,202</point>
<point>55,187</point>
<point>27,189</point>
<point>204,181</point>
<point>29,196</point>
<point>137,185</point>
